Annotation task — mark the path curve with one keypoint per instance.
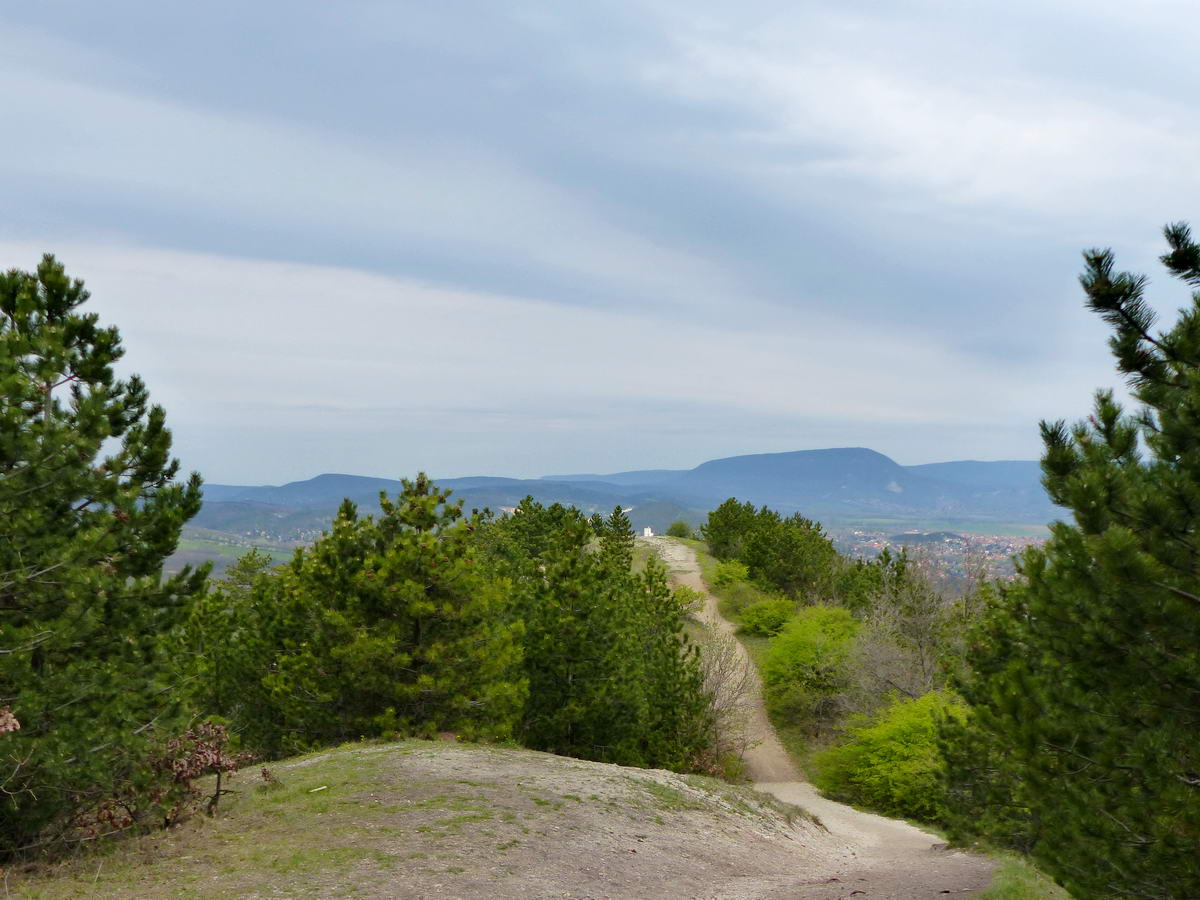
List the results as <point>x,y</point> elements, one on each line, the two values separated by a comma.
<point>880,857</point>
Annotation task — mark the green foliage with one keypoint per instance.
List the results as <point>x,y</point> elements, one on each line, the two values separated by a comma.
<point>727,527</point>
<point>88,513</point>
<point>417,621</point>
<point>857,584</point>
<point>805,669</point>
<point>384,625</point>
<point>616,541</point>
<point>891,762</point>
<point>680,529</point>
<point>611,675</point>
<point>793,555</point>
<point>729,572</point>
<point>767,617</point>
<point>689,600</point>
<point>1084,678</point>
<point>231,637</point>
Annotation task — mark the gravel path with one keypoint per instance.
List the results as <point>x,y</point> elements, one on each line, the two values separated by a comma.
<point>883,858</point>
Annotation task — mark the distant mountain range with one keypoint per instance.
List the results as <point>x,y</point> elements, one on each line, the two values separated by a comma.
<point>837,486</point>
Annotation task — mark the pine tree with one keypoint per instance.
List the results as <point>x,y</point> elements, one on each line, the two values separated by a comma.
<point>1086,677</point>
<point>680,724</point>
<point>727,528</point>
<point>386,625</point>
<point>611,674</point>
<point>89,510</point>
<point>616,541</point>
<point>586,690</point>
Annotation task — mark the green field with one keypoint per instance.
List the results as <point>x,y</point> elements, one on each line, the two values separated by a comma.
<point>199,546</point>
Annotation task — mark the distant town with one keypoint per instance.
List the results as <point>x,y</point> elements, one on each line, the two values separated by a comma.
<point>949,554</point>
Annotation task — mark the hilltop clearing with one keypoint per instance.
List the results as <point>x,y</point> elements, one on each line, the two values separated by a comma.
<point>429,819</point>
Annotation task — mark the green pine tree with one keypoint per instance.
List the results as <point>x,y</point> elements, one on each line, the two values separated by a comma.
<point>89,510</point>
<point>680,726</point>
<point>1085,683</point>
<point>611,674</point>
<point>586,690</point>
<point>616,541</point>
<point>385,625</point>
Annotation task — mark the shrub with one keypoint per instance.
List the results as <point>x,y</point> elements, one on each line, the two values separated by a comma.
<point>805,669</point>
<point>891,762</point>
<point>689,601</point>
<point>680,529</point>
<point>729,572</point>
<point>767,617</point>
<point>164,790</point>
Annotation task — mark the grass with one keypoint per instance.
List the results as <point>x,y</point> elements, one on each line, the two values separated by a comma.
<point>1016,879</point>
<point>642,553</point>
<point>270,837</point>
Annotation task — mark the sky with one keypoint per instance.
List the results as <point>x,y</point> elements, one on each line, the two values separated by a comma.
<point>527,238</point>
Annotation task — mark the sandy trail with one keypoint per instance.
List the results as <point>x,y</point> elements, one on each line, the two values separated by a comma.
<point>881,857</point>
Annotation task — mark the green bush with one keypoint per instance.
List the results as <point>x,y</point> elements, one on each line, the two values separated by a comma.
<point>767,617</point>
<point>689,601</point>
<point>892,763</point>
<point>805,670</point>
<point>729,572</point>
<point>680,529</point>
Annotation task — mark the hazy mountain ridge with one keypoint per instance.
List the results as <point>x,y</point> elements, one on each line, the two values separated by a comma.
<point>833,485</point>
<point>850,482</point>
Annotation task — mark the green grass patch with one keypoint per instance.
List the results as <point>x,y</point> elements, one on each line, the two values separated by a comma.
<point>335,817</point>
<point>670,799</point>
<point>643,552</point>
<point>1016,879</point>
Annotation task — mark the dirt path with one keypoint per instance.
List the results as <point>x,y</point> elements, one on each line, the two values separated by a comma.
<point>883,858</point>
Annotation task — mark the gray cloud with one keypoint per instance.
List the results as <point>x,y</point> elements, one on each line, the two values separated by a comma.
<point>761,224</point>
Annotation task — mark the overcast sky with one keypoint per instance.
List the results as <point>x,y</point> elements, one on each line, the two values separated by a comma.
<point>518,238</point>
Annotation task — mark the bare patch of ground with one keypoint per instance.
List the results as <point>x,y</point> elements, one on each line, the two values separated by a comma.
<point>430,819</point>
